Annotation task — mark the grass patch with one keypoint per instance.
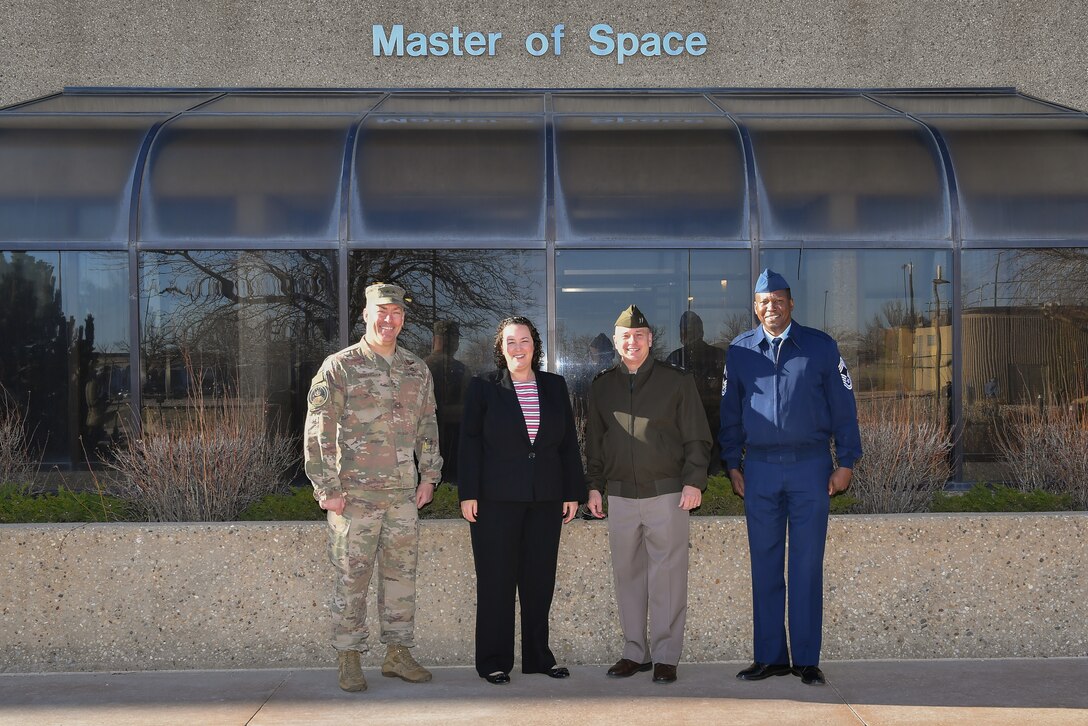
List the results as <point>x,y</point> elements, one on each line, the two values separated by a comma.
<point>991,498</point>
<point>18,504</point>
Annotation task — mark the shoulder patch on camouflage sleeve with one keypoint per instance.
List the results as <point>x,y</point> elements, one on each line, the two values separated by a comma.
<point>318,396</point>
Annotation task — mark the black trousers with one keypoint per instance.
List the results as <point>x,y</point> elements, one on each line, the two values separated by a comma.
<point>515,546</point>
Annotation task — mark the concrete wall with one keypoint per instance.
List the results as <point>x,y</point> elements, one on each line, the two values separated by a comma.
<point>165,596</point>
<point>1037,46</point>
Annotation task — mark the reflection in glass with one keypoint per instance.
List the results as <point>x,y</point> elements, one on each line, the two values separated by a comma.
<point>249,324</point>
<point>64,361</point>
<point>695,300</point>
<point>235,176</point>
<point>456,299</point>
<point>649,178</point>
<point>1020,178</point>
<point>1025,339</point>
<point>68,177</point>
<point>890,312</point>
<point>449,178</point>
<point>841,178</point>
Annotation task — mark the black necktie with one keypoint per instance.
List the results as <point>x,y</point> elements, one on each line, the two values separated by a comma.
<point>775,343</point>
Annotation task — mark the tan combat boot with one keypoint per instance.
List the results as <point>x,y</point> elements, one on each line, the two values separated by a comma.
<point>351,673</point>
<point>399,663</point>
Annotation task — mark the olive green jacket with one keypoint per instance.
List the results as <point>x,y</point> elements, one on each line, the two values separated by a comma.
<point>646,434</point>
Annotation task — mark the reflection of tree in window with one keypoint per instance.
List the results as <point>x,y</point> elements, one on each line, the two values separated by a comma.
<point>70,386</point>
<point>253,323</point>
<point>33,360</point>
<point>473,289</point>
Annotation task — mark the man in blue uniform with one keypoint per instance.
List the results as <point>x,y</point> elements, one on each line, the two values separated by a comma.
<point>786,394</point>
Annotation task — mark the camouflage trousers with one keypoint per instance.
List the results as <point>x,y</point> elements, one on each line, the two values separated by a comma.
<point>379,531</point>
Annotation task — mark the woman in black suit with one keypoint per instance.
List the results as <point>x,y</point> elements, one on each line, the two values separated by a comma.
<point>520,479</point>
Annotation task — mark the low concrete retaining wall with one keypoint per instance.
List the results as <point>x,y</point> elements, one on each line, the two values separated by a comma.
<point>246,595</point>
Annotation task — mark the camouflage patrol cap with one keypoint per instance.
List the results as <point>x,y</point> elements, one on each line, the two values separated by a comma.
<point>632,317</point>
<point>384,293</point>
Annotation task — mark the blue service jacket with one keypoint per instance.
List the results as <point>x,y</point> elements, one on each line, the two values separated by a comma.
<point>801,402</point>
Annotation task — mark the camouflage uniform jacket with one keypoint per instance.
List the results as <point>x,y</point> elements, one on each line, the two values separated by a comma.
<point>369,422</point>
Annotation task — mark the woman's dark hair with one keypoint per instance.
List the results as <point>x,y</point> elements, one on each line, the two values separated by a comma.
<point>538,349</point>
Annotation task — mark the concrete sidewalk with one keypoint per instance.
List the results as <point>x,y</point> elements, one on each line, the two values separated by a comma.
<point>1040,692</point>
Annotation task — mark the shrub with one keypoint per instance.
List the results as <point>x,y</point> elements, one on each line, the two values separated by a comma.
<point>1046,448</point>
<point>906,458</point>
<point>18,504</point>
<point>298,505</point>
<point>444,506</point>
<point>986,498</point>
<point>214,461</point>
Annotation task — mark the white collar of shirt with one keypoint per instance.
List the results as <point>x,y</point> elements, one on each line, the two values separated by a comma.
<point>785,334</point>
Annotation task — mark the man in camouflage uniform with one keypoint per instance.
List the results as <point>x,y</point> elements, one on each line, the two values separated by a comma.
<point>371,419</point>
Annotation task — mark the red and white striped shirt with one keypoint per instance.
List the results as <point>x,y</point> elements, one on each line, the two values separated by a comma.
<point>530,406</point>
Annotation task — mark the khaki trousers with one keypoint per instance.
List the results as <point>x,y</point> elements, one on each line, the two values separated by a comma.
<point>649,543</point>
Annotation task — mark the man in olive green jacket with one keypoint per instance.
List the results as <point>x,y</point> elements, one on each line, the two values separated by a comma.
<point>648,447</point>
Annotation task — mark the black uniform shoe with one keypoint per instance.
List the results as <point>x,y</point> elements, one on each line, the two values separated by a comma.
<point>758,671</point>
<point>810,675</point>
<point>664,673</point>
<point>626,667</point>
<point>498,678</point>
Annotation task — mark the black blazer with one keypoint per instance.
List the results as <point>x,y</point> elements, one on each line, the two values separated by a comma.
<point>496,460</point>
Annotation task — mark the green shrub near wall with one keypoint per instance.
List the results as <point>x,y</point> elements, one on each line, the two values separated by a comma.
<point>987,498</point>
<point>19,505</point>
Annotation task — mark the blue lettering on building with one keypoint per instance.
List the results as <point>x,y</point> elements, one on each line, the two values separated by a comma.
<point>396,41</point>
<point>604,41</point>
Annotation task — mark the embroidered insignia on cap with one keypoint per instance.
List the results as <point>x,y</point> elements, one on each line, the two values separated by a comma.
<point>845,375</point>
<point>318,397</point>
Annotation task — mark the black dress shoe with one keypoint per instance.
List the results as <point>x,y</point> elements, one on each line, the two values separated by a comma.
<point>626,667</point>
<point>664,673</point>
<point>758,671</point>
<point>810,675</point>
<point>498,678</point>
<point>557,672</point>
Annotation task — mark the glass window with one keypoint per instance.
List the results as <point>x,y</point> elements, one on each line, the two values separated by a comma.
<point>848,178</point>
<point>457,104</point>
<point>143,102</point>
<point>228,177</point>
<point>254,325</point>
<point>890,312</point>
<point>1020,178</point>
<point>312,103</point>
<point>70,176</point>
<point>649,178</point>
<point>1025,340</point>
<point>449,178</point>
<point>457,298</point>
<point>797,103</point>
<point>695,300</point>
<point>64,361</point>
<point>640,102</point>
<point>965,103</point>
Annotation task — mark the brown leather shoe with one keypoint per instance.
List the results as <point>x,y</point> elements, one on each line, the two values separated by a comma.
<point>664,673</point>
<point>626,667</point>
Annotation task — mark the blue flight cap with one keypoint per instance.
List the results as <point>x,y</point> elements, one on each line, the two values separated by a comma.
<point>769,281</point>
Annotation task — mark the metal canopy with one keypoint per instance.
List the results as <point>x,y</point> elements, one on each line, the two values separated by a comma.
<point>256,167</point>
